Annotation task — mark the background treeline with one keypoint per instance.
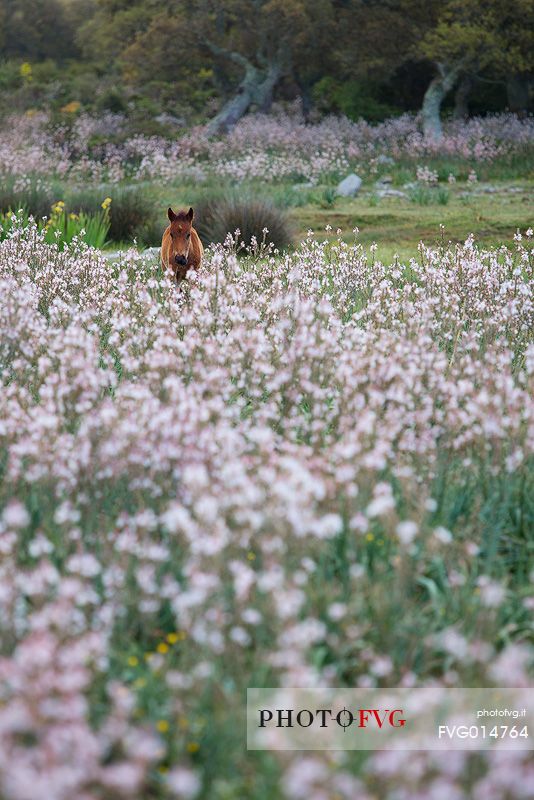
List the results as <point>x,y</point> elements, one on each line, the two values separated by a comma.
<point>184,61</point>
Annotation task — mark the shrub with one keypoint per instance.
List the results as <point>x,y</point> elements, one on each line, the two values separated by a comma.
<point>351,98</point>
<point>62,227</point>
<point>32,195</point>
<point>112,99</point>
<point>442,195</point>
<point>9,220</point>
<point>132,213</point>
<point>149,234</point>
<point>328,197</point>
<point>429,195</point>
<point>290,196</point>
<point>215,218</point>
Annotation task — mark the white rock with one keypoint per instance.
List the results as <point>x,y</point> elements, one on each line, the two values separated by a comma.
<point>151,252</point>
<point>171,120</point>
<point>112,255</point>
<point>349,186</point>
<point>383,159</point>
<point>386,192</point>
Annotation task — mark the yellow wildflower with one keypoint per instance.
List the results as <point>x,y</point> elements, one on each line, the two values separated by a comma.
<point>133,661</point>
<point>58,207</point>
<point>73,216</point>
<point>172,638</point>
<point>163,648</point>
<point>72,107</point>
<point>193,747</point>
<point>140,683</point>
<point>162,725</point>
<point>251,556</point>
<point>106,203</point>
<point>370,537</point>
<point>26,71</point>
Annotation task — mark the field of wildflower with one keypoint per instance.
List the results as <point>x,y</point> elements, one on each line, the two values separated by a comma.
<point>273,148</point>
<point>301,469</point>
<point>477,178</point>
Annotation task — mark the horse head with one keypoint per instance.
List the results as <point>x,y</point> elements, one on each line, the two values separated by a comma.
<point>180,240</point>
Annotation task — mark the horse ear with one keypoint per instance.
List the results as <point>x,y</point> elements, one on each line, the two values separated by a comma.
<point>171,215</point>
<point>191,214</point>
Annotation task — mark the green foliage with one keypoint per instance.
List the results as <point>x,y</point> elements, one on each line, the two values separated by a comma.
<point>352,99</point>
<point>33,195</point>
<point>10,219</point>
<point>443,195</point>
<point>62,227</point>
<point>216,218</point>
<point>112,99</point>
<point>34,30</point>
<point>365,60</point>
<point>10,77</point>
<point>46,85</point>
<point>288,196</point>
<point>132,213</point>
<point>328,197</point>
<point>429,195</point>
<point>479,34</point>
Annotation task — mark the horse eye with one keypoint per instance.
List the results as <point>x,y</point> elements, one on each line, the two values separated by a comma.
<point>188,235</point>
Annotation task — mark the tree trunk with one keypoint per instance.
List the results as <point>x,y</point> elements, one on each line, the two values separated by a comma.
<point>305,95</point>
<point>461,98</point>
<point>306,103</point>
<point>438,89</point>
<point>517,91</point>
<point>231,112</point>
<point>256,88</point>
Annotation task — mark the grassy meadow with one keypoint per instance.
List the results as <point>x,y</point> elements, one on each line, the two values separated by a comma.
<point>309,464</point>
<point>395,224</point>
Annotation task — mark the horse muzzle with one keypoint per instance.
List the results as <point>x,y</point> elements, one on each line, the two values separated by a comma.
<point>180,260</point>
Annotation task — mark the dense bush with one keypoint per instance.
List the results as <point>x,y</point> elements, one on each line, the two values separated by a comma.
<point>352,99</point>
<point>427,195</point>
<point>61,227</point>
<point>35,196</point>
<point>217,217</point>
<point>132,214</point>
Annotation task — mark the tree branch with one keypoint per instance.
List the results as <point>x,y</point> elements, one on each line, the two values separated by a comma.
<point>232,55</point>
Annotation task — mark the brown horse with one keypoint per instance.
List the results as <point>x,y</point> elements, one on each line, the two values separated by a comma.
<point>181,248</point>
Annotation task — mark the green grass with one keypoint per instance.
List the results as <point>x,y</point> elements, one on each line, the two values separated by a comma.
<point>398,225</point>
